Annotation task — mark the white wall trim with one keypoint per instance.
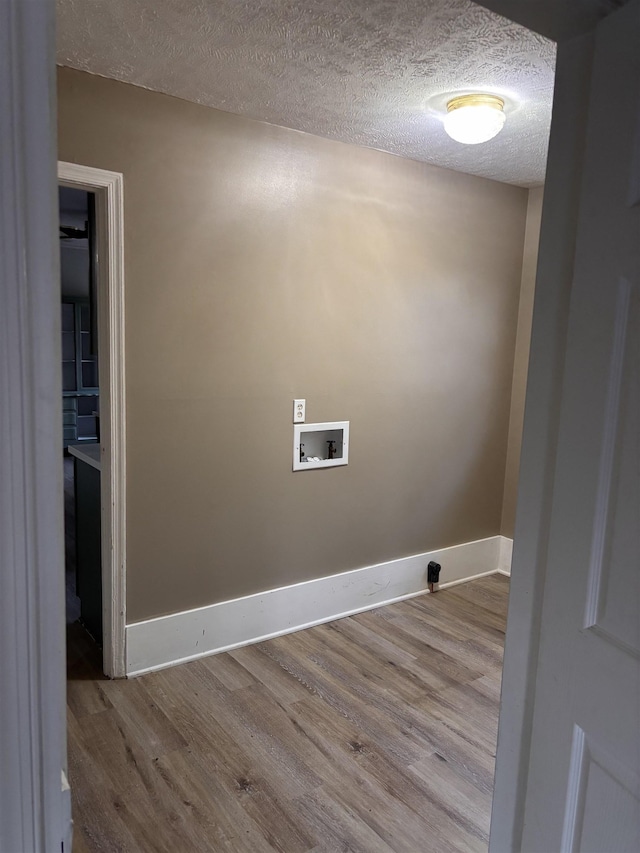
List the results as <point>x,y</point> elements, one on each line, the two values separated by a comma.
<point>180,637</point>
<point>450,584</point>
<point>34,809</point>
<point>108,188</point>
<point>505,555</point>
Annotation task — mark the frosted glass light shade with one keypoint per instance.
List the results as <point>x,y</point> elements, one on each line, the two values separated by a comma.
<point>472,119</point>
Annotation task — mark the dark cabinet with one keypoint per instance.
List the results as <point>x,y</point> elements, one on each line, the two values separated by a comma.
<point>80,395</point>
<point>88,547</point>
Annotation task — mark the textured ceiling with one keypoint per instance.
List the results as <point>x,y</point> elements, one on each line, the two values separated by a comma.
<point>371,72</point>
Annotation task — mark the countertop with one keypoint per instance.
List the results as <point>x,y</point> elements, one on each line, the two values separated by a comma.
<point>88,452</point>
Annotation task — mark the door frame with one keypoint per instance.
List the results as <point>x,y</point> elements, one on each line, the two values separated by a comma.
<point>35,803</point>
<point>108,189</point>
<point>545,392</point>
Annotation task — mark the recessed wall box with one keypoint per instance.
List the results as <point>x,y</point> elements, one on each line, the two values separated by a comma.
<point>320,445</point>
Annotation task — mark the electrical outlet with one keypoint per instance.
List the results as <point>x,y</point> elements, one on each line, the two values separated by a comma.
<point>299,407</point>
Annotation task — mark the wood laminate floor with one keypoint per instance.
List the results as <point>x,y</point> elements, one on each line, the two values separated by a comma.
<point>374,733</point>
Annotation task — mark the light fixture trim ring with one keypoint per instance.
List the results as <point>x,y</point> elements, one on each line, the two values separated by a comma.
<point>476,100</point>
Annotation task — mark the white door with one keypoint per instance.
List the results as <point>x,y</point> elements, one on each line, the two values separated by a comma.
<point>583,788</point>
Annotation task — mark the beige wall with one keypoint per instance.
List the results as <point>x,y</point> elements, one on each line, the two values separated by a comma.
<point>521,359</point>
<point>264,264</point>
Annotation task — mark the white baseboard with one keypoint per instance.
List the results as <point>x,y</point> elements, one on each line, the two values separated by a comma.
<point>180,637</point>
<point>505,554</point>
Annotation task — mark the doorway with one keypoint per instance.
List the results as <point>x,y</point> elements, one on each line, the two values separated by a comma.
<point>103,317</point>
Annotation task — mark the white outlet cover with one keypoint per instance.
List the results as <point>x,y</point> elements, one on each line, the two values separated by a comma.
<point>299,410</point>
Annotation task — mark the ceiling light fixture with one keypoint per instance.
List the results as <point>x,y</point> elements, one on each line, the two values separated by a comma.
<point>471,119</point>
